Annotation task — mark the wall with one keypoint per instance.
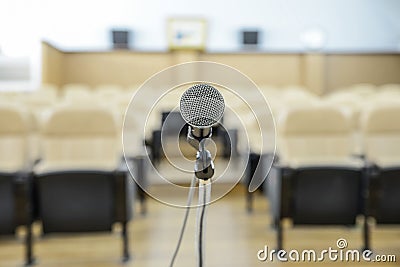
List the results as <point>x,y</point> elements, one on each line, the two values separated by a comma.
<point>120,67</point>
<point>52,65</point>
<point>274,69</point>
<point>344,69</point>
<point>320,73</point>
<point>349,25</point>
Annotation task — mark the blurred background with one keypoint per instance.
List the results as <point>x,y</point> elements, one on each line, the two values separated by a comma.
<point>325,104</point>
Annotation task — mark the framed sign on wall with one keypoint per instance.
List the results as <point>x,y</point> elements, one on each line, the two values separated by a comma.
<point>186,33</point>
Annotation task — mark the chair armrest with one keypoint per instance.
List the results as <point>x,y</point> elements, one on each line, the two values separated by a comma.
<point>279,191</point>
<point>23,198</point>
<point>123,199</point>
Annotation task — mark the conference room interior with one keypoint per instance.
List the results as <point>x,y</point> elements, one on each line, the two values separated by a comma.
<point>99,163</point>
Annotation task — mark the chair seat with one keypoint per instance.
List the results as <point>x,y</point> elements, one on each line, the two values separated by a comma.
<point>10,167</point>
<point>387,163</point>
<point>61,166</point>
<point>7,206</point>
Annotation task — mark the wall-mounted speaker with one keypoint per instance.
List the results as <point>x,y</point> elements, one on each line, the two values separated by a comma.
<point>250,37</point>
<point>120,38</point>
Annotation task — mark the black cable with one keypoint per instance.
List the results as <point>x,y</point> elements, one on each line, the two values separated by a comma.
<point>189,202</point>
<point>201,228</point>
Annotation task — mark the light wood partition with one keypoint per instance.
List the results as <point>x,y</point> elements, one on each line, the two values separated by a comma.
<point>314,73</point>
<point>263,69</point>
<point>346,69</point>
<point>116,67</point>
<point>320,73</point>
<point>52,64</point>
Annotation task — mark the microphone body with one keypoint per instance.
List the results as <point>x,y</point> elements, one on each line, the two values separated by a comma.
<point>202,106</point>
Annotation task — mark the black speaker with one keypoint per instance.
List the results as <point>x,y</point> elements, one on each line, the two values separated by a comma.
<point>120,38</point>
<point>250,37</point>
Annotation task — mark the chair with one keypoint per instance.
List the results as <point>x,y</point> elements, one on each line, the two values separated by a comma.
<point>353,104</point>
<point>259,160</point>
<point>76,92</point>
<point>381,138</point>
<point>15,175</point>
<point>132,143</point>
<point>81,186</point>
<point>390,88</point>
<point>40,103</point>
<point>387,93</point>
<point>363,90</point>
<point>294,96</point>
<point>279,102</point>
<point>48,90</point>
<point>170,139</point>
<point>108,92</point>
<point>316,180</point>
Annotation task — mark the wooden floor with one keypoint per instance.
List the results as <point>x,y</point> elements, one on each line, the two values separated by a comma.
<point>233,239</point>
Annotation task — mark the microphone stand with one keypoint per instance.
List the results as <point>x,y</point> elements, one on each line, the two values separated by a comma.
<point>204,170</point>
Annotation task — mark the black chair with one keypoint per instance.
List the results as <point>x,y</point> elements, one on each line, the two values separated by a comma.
<point>85,201</point>
<point>253,161</point>
<point>134,156</point>
<point>173,125</point>
<point>381,135</point>
<point>316,181</point>
<point>257,168</point>
<point>140,184</point>
<point>316,196</point>
<point>80,184</point>
<point>384,192</point>
<point>15,177</point>
<point>16,208</point>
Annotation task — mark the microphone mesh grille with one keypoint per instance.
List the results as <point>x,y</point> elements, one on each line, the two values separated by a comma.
<point>202,105</point>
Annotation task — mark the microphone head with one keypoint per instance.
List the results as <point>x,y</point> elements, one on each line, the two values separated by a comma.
<point>202,106</point>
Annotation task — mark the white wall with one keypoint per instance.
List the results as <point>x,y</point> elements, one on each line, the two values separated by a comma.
<point>84,24</point>
<point>349,25</point>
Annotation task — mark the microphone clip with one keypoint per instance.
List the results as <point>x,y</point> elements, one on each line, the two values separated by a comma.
<point>196,135</point>
<point>204,166</point>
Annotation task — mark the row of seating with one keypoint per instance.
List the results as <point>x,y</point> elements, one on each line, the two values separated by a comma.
<point>239,114</point>
<point>312,130</point>
<point>317,179</point>
<point>356,145</point>
<point>80,182</point>
<point>354,99</point>
<point>355,102</point>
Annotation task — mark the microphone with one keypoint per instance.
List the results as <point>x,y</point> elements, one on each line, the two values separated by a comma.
<point>202,106</point>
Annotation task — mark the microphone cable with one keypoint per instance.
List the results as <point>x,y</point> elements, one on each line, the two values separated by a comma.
<point>204,198</point>
<point>189,202</point>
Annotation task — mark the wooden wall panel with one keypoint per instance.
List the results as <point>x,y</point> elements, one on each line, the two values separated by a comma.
<point>52,64</point>
<point>313,73</point>
<point>320,73</point>
<point>120,67</point>
<point>344,70</point>
<point>263,69</point>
